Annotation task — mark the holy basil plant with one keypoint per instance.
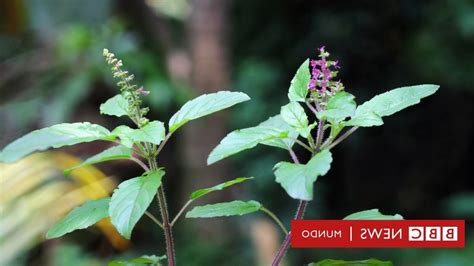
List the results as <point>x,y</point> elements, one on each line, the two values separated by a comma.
<point>141,144</point>
<point>332,110</point>
<point>334,115</point>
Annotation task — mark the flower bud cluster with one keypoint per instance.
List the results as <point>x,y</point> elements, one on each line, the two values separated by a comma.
<point>323,73</point>
<point>128,89</point>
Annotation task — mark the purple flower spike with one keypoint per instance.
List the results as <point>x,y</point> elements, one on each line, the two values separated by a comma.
<point>324,84</point>
<point>322,73</point>
<point>312,85</point>
<point>143,92</point>
<point>327,74</point>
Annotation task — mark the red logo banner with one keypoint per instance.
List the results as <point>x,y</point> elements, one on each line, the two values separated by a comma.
<point>377,233</point>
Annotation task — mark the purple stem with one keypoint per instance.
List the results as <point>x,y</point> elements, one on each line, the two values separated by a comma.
<point>286,243</point>
<point>298,216</point>
<point>302,205</point>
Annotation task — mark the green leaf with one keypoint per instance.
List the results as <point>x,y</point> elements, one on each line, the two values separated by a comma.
<point>369,262</point>
<point>272,132</point>
<point>80,217</point>
<point>131,199</point>
<point>204,105</point>
<point>242,139</point>
<point>294,115</point>
<point>232,208</point>
<point>340,106</point>
<point>397,99</point>
<point>367,119</point>
<point>204,191</point>
<point>299,84</point>
<point>115,106</point>
<point>118,152</point>
<point>140,261</point>
<point>153,132</point>
<point>124,133</point>
<point>150,259</point>
<point>277,123</point>
<point>54,137</point>
<point>372,214</point>
<point>298,179</point>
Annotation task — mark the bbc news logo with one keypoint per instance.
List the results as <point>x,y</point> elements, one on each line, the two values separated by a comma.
<point>432,233</point>
<point>377,234</point>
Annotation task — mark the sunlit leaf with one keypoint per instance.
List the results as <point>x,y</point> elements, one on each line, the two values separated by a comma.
<point>146,260</point>
<point>115,106</point>
<point>397,99</point>
<point>369,262</point>
<point>277,123</point>
<point>340,106</point>
<point>204,105</point>
<point>118,152</point>
<point>299,84</point>
<point>204,191</point>
<point>243,139</point>
<point>81,217</point>
<point>232,208</point>
<point>153,132</point>
<point>373,214</point>
<point>367,119</point>
<point>293,114</point>
<point>131,199</point>
<point>54,137</point>
<point>124,133</point>
<point>298,179</point>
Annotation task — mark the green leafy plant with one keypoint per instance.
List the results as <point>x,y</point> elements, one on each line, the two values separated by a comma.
<point>369,262</point>
<point>331,110</point>
<point>142,144</point>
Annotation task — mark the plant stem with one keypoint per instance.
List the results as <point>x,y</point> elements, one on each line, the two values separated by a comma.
<point>181,212</point>
<point>326,142</point>
<point>286,243</point>
<point>302,204</point>
<point>293,156</point>
<point>311,142</point>
<point>162,144</point>
<point>160,195</point>
<point>342,137</point>
<point>299,215</point>
<point>140,163</point>
<point>319,135</point>
<point>150,151</point>
<point>143,151</point>
<point>311,108</point>
<point>302,144</point>
<point>166,227</point>
<point>275,218</point>
<point>154,219</point>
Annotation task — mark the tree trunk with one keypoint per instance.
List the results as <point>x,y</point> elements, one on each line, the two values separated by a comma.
<point>206,27</point>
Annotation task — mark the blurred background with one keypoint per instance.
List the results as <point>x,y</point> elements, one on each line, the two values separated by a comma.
<point>419,164</point>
